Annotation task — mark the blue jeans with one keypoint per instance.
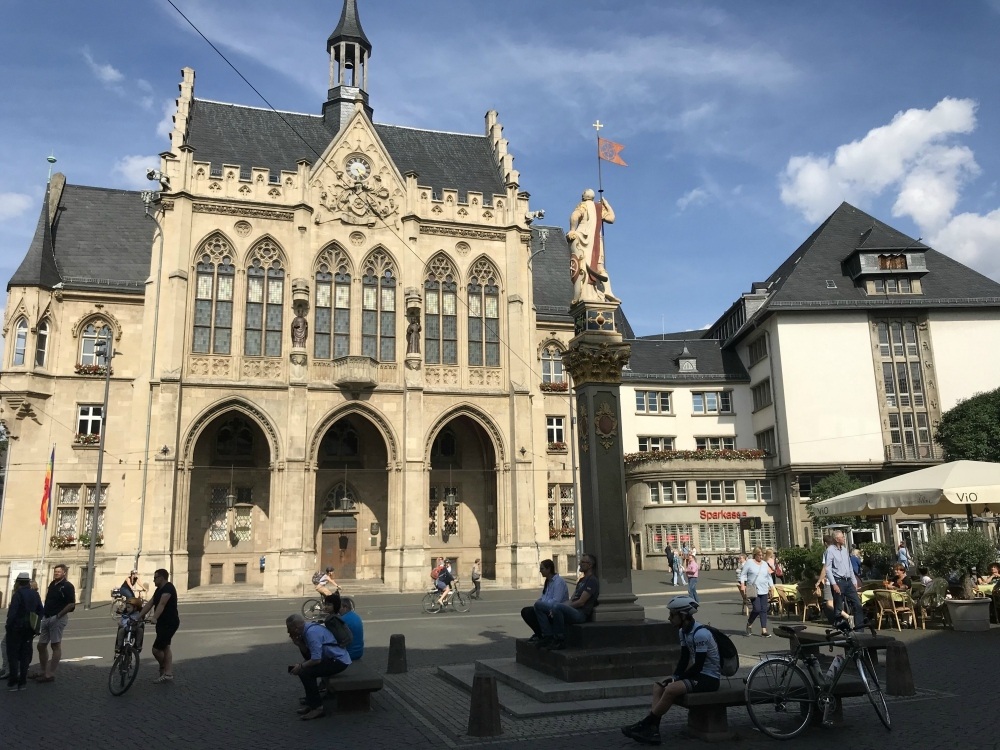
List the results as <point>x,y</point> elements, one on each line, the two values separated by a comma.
<point>310,679</point>
<point>759,605</point>
<point>693,587</point>
<point>849,592</point>
<point>563,613</point>
<point>542,619</point>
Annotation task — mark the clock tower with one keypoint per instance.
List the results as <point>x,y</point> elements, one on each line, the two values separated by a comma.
<point>349,51</point>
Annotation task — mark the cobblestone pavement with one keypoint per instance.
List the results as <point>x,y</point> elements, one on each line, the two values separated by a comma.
<point>232,690</point>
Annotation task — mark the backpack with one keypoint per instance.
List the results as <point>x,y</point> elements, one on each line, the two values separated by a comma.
<point>317,577</point>
<point>436,572</point>
<point>31,622</point>
<point>729,657</point>
<point>336,625</point>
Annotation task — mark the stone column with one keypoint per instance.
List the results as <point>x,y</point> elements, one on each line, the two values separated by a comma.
<point>595,359</point>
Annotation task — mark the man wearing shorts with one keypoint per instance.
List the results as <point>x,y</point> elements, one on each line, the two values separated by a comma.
<point>60,600</point>
<point>166,619</point>
<point>697,671</point>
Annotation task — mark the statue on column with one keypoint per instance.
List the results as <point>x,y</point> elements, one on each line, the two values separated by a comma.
<point>300,330</point>
<point>586,240</point>
<point>413,333</point>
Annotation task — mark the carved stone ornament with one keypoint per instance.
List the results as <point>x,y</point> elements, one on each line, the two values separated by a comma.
<point>584,418</point>
<point>251,213</point>
<point>600,363</point>
<point>365,204</point>
<point>606,425</point>
<point>473,234</point>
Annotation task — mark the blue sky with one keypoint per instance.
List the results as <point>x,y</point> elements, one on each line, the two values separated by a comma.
<point>745,124</point>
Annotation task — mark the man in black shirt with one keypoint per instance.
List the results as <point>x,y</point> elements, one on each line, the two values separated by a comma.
<point>60,600</point>
<point>166,619</point>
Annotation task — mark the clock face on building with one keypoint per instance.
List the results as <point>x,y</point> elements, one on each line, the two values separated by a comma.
<point>358,168</point>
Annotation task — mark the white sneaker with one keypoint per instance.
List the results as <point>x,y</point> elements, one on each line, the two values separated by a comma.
<point>163,678</point>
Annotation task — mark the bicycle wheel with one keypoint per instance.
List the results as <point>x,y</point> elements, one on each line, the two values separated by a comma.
<point>123,671</point>
<point>312,610</point>
<point>870,680</point>
<point>459,602</point>
<point>780,698</point>
<point>430,602</point>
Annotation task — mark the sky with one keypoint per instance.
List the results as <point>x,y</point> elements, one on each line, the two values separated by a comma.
<point>744,124</point>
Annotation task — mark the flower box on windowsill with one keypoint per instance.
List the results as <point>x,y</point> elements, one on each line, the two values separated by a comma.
<point>564,533</point>
<point>87,439</point>
<point>62,541</point>
<point>557,447</point>
<point>85,540</point>
<point>555,387</point>
<point>92,370</point>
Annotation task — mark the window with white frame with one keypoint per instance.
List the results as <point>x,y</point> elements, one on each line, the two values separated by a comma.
<point>20,341</point>
<point>652,402</point>
<point>41,343</point>
<point>552,366</point>
<point>555,431</point>
<point>757,349</point>
<point>215,276</point>
<point>766,441</point>
<point>719,537</point>
<point>659,536</point>
<point>89,338</point>
<point>712,402</point>
<point>90,418</point>
<point>761,394</point>
<point>758,490</point>
<point>903,384</point>
<point>715,443</point>
<point>667,492</point>
<point>715,491</point>
<point>764,537</point>
<point>649,443</point>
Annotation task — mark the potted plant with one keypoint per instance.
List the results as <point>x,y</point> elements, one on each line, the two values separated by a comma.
<point>957,555</point>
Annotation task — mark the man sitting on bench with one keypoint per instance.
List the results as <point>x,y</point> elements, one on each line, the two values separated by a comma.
<point>697,671</point>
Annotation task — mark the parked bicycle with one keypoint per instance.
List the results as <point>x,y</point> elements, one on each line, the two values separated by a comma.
<point>727,562</point>
<point>457,601</point>
<point>128,644</point>
<point>784,691</point>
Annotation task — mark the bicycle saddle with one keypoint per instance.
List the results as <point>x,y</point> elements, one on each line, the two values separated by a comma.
<point>790,629</point>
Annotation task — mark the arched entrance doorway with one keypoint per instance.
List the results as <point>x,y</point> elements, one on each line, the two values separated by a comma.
<point>352,488</point>
<point>229,502</point>
<point>462,508</point>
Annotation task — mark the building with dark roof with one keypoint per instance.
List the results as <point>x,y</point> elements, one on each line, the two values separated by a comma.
<point>357,315</point>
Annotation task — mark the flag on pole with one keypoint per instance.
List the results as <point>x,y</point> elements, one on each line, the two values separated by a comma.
<point>47,492</point>
<point>609,151</point>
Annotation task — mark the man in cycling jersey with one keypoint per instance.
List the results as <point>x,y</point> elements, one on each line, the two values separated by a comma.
<point>698,670</point>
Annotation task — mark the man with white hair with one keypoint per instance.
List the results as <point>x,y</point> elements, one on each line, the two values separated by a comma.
<point>843,581</point>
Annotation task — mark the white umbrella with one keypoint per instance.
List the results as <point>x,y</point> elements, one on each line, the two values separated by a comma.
<point>942,489</point>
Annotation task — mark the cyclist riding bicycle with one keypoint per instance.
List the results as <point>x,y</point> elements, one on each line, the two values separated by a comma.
<point>443,583</point>
<point>327,586</point>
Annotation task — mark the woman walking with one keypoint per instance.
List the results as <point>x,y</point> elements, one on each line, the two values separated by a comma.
<point>691,569</point>
<point>757,575</point>
<point>477,574</point>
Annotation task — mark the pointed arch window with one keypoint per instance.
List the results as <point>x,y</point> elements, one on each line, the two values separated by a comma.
<point>332,338</point>
<point>441,313</point>
<point>552,366</point>
<point>213,305</point>
<point>234,440</point>
<point>88,343</point>
<point>340,500</point>
<point>41,343</point>
<point>265,301</point>
<point>341,441</point>
<point>20,341</point>
<point>378,308</point>
<point>484,316</point>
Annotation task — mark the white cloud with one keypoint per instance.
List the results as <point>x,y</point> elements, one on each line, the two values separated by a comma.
<point>12,205</point>
<point>972,239</point>
<point>132,171</point>
<point>910,152</point>
<point>694,197</point>
<point>165,125</point>
<point>105,72</point>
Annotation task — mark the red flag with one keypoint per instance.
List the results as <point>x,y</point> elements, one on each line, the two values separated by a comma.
<point>47,492</point>
<point>609,150</point>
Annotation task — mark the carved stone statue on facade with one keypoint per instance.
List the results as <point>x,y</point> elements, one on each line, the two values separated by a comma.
<point>300,331</point>
<point>413,335</point>
<point>586,240</point>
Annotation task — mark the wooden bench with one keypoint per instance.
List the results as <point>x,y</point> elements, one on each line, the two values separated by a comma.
<point>707,719</point>
<point>354,687</point>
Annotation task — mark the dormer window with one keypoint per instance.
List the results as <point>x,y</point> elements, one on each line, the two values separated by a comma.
<point>894,262</point>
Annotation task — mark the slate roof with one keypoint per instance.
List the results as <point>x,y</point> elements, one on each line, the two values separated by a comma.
<point>675,335</point>
<point>553,289</point>
<point>100,239</point>
<point>800,282</point>
<point>253,137</point>
<point>657,360</point>
<point>349,27</point>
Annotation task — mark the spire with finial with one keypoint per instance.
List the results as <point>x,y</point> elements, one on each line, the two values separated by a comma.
<point>349,51</point>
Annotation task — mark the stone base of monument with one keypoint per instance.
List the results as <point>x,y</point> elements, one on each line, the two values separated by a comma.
<point>606,651</point>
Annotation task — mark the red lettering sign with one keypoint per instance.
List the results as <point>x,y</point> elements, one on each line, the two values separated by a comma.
<point>722,515</point>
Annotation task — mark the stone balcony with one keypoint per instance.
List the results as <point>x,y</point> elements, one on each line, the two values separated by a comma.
<point>354,373</point>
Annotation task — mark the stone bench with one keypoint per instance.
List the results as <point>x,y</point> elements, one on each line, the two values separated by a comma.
<point>354,687</point>
<point>707,719</point>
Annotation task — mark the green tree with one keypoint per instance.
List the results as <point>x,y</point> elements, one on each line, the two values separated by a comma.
<point>970,430</point>
<point>831,486</point>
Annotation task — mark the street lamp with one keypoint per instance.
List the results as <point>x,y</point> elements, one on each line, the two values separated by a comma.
<point>103,349</point>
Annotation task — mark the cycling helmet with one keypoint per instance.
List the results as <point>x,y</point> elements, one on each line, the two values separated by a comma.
<point>683,604</point>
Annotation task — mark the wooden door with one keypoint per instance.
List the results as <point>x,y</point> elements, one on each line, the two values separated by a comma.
<point>340,549</point>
